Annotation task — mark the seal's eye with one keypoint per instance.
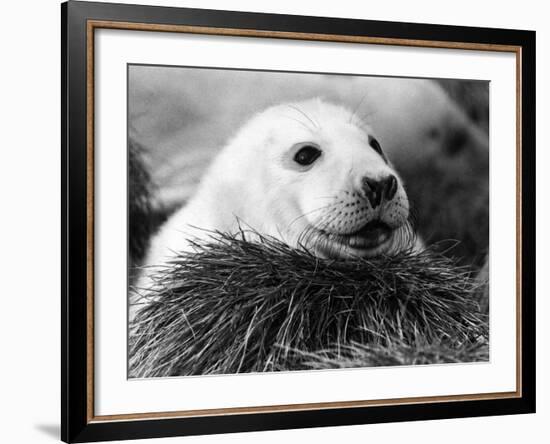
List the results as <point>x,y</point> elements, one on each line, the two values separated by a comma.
<point>307,155</point>
<point>375,145</point>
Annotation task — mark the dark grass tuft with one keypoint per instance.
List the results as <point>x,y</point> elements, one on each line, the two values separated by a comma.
<point>140,208</point>
<point>452,209</point>
<point>145,214</point>
<point>237,306</point>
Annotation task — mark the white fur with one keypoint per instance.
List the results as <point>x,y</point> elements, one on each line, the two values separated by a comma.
<point>254,183</point>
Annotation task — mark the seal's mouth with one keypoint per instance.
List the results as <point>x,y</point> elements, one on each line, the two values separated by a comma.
<point>371,235</point>
<point>370,240</point>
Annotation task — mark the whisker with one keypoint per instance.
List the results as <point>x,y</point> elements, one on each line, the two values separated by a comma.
<point>365,117</point>
<point>315,124</point>
<point>298,121</point>
<point>310,212</point>
<point>357,107</point>
<point>310,233</point>
<point>326,197</point>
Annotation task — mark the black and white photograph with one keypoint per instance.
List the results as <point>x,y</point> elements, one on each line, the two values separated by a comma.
<point>299,221</point>
<point>263,222</point>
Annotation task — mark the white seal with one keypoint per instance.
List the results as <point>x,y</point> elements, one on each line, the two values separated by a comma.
<point>309,174</point>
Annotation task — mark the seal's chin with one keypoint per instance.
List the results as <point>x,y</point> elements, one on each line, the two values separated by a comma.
<point>371,240</point>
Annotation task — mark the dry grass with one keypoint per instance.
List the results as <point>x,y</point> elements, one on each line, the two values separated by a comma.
<point>236,306</point>
<point>395,353</point>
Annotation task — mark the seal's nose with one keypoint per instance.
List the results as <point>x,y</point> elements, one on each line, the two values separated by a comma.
<point>378,190</point>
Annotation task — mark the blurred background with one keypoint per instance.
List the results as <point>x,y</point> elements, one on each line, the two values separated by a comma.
<point>435,132</point>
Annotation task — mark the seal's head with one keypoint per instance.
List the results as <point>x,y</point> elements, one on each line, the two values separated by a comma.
<point>314,176</point>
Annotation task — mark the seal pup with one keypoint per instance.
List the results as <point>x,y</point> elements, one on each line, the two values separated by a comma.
<point>309,174</point>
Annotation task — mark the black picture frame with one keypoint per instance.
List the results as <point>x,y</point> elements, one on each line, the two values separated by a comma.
<point>77,424</point>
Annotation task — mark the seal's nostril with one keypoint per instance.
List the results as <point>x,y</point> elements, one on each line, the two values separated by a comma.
<point>377,190</point>
<point>373,191</point>
<point>391,187</point>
